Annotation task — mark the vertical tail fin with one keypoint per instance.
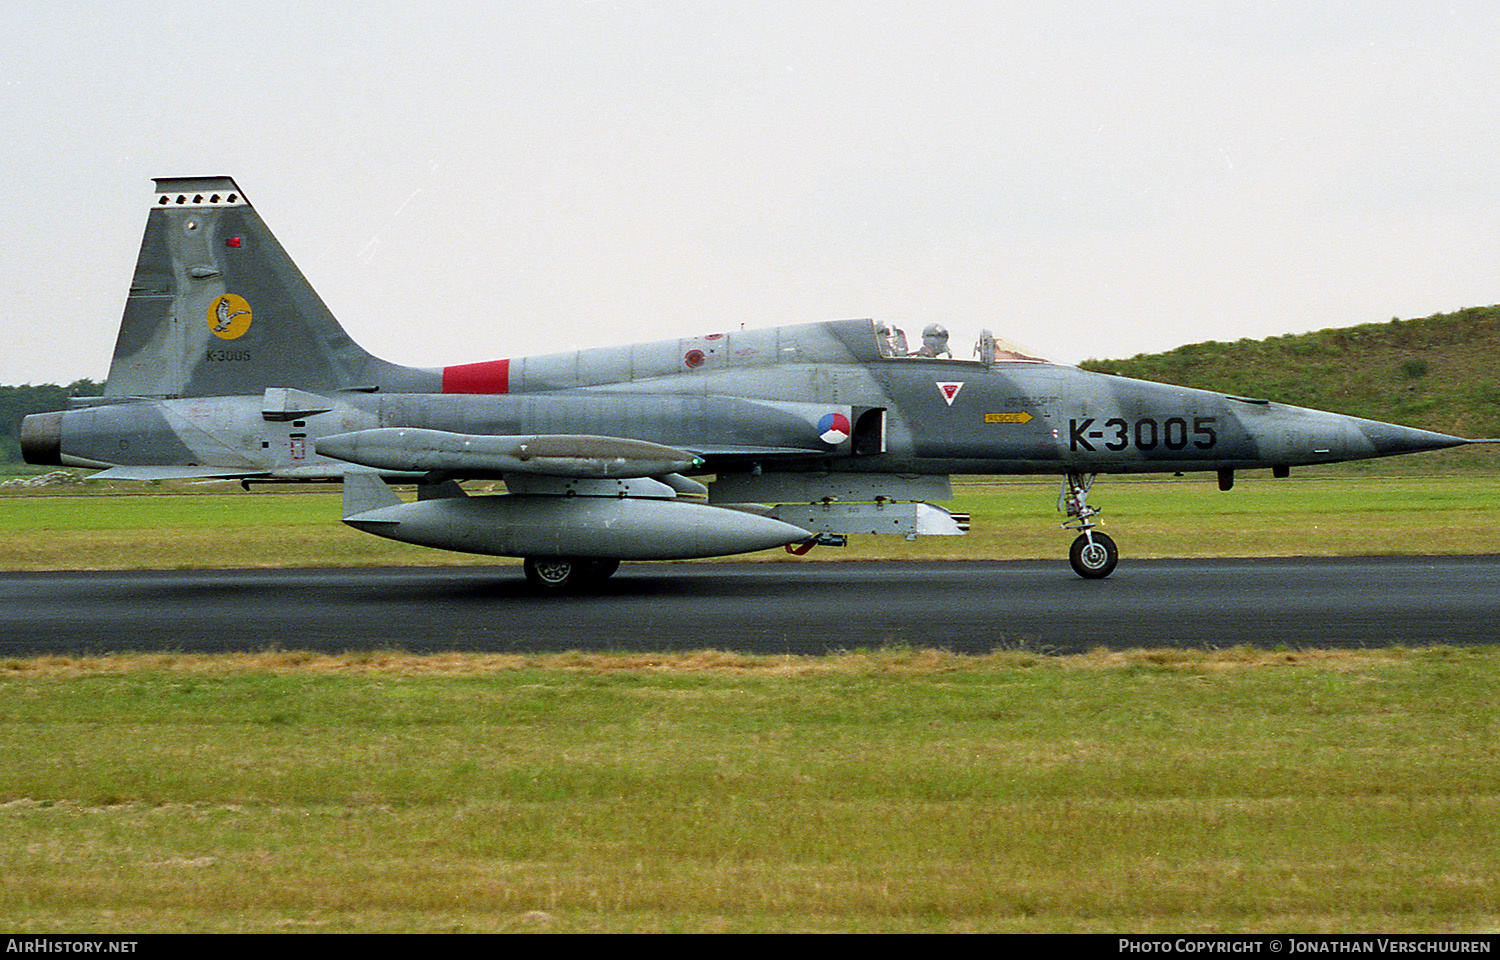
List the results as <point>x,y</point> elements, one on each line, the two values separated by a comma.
<point>217,308</point>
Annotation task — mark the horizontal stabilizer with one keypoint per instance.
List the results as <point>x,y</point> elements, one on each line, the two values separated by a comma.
<point>176,473</point>
<point>558,455</point>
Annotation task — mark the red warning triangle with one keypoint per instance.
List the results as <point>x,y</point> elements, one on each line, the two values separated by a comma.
<point>950,390</point>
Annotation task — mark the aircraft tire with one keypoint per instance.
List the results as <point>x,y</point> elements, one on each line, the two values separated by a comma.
<point>1094,561</point>
<point>554,574</point>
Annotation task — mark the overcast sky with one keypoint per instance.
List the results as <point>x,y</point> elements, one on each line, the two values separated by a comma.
<point>466,181</point>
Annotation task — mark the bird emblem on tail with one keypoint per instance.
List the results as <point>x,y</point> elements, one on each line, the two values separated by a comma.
<point>229,316</point>
<point>225,318</point>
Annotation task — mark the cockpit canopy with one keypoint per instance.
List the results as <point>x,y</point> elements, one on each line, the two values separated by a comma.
<point>936,342</point>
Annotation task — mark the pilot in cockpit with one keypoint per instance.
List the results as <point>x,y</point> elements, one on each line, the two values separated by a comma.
<point>935,342</point>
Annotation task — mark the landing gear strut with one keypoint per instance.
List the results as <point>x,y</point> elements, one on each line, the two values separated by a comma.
<point>1093,555</point>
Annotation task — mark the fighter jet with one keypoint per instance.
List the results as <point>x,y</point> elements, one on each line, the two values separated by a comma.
<point>228,364</point>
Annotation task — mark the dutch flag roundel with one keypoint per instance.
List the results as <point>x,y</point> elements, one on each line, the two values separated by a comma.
<point>833,428</point>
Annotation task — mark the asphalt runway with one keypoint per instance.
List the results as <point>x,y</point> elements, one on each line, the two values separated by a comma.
<point>802,608</point>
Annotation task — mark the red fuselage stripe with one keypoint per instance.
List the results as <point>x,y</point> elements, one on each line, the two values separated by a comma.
<point>492,376</point>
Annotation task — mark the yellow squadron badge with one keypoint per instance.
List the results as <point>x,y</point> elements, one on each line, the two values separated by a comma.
<point>229,316</point>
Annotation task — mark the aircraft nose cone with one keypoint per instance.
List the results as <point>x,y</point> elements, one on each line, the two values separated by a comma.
<point>1388,439</point>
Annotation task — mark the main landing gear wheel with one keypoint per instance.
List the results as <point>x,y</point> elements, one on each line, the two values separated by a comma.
<point>556,574</point>
<point>1093,556</point>
<point>553,574</point>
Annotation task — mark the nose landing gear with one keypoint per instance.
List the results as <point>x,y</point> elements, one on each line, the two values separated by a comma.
<point>1093,554</point>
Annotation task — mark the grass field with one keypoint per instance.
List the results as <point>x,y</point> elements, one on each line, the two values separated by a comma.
<point>116,526</point>
<point>891,791</point>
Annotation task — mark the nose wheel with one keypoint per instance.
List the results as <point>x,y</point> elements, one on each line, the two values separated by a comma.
<point>1093,555</point>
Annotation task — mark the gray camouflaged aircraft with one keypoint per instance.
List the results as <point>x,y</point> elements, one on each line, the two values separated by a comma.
<point>229,365</point>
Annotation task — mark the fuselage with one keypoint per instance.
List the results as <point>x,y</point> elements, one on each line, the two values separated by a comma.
<point>753,401</point>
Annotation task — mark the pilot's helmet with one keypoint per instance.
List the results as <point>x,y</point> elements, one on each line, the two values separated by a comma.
<point>935,340</point>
